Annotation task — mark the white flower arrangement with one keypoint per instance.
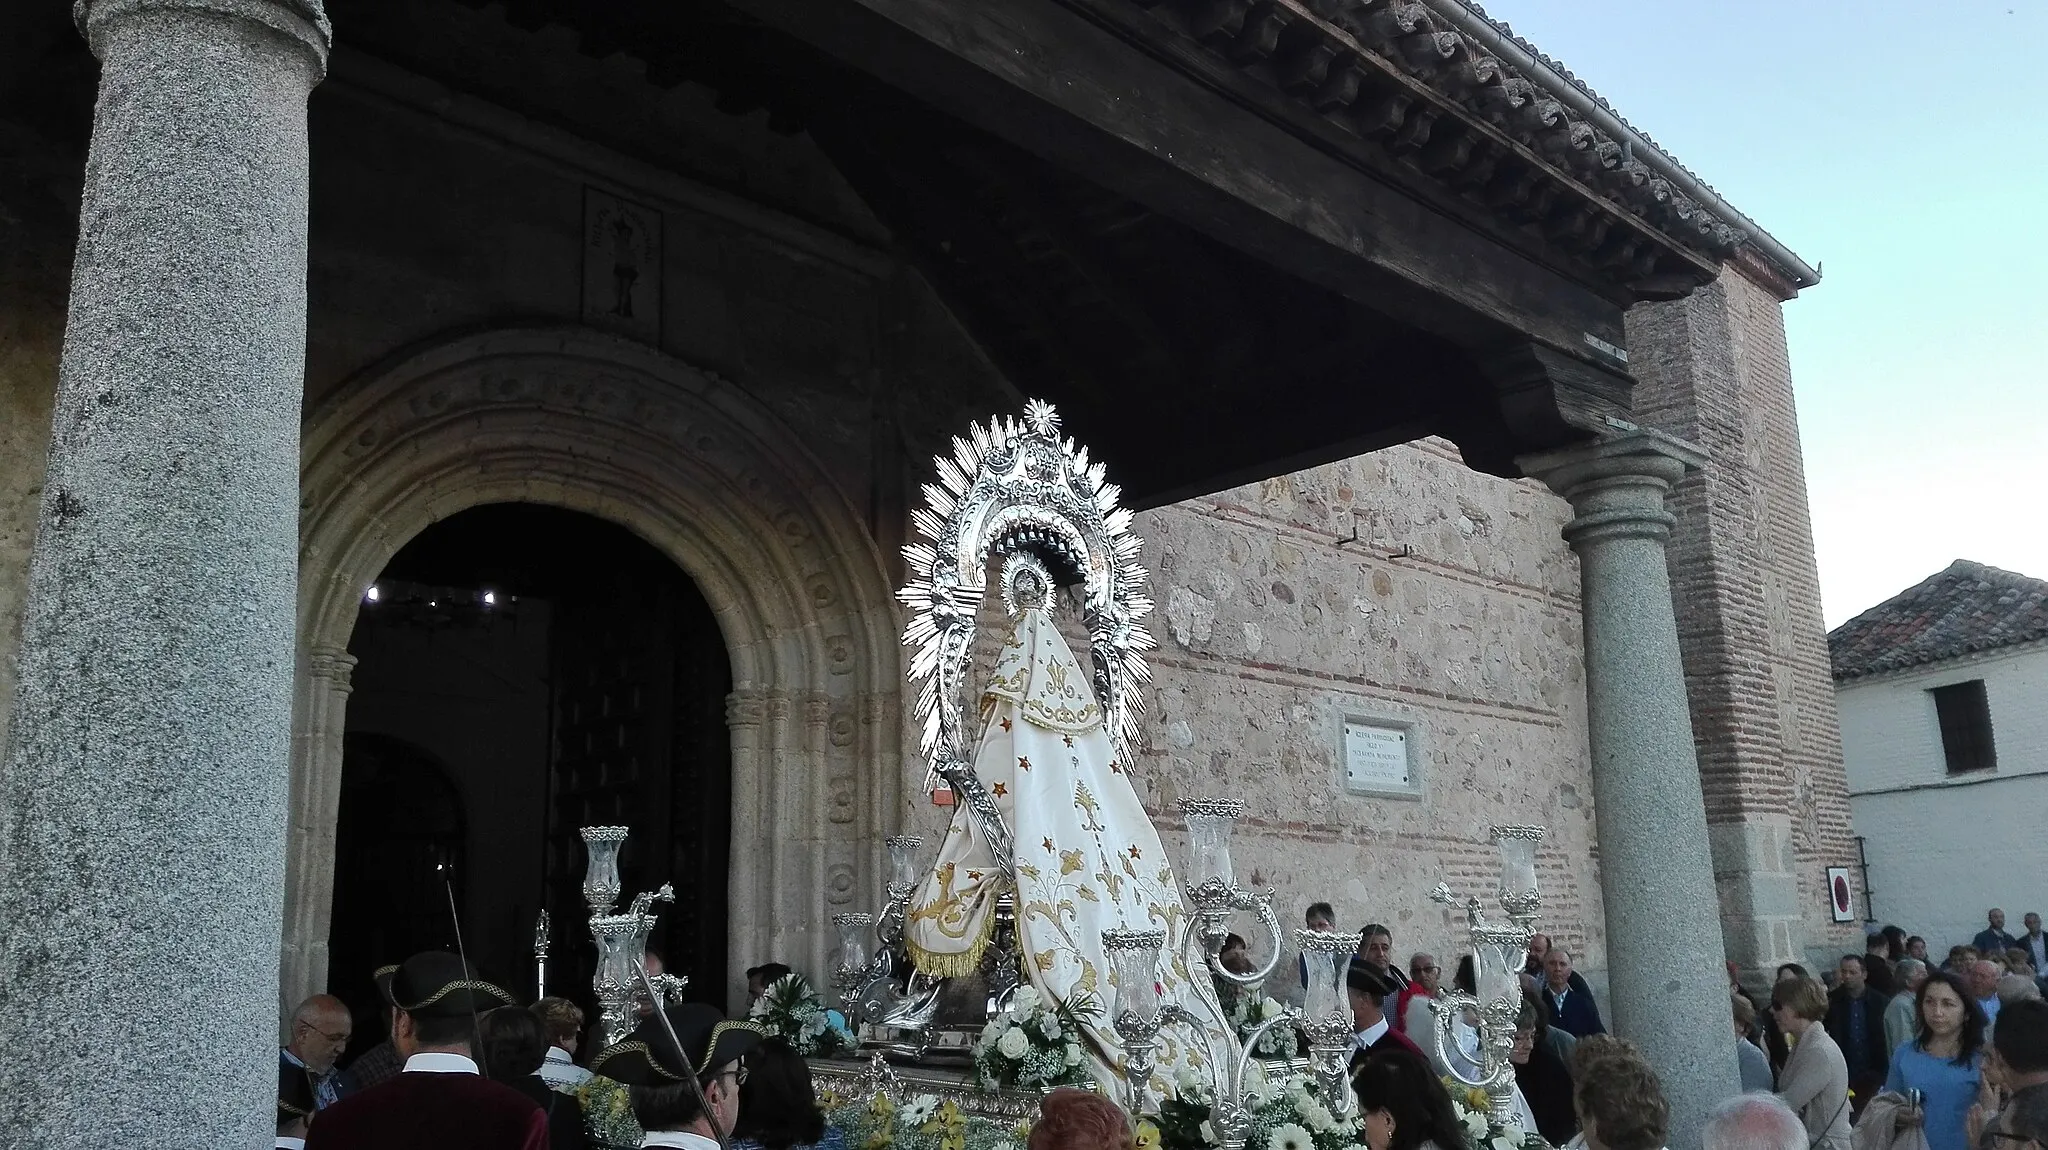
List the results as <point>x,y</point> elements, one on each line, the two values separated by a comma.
<point>1475,1115</point>
<point>790,1008</point>
<point>1248,1014</point>
<point>1034,1043</point>
<point>1286,1114</point>
<point>920,1109</point>
<point>1289,1136</point>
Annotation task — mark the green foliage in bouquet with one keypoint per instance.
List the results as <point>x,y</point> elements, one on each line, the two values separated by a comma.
<point>921,1123</point>
<point>1035,1044</point>
<point>790,1008</point>
<point>607,1114</point>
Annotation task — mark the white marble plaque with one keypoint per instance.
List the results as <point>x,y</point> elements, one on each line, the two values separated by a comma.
<point>1376,757</point>
<point>621,266</point>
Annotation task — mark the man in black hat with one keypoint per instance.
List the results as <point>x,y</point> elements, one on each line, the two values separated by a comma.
<point>440,1099</point>
<point>673,1109</point>
<point>1368,989</point>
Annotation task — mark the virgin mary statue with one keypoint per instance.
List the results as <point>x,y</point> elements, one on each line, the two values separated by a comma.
<point>1050,812</point>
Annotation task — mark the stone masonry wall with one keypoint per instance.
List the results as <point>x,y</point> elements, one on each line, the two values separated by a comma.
<point>38,224</point>
<point>1455,607</point>
<point>1714,369</point>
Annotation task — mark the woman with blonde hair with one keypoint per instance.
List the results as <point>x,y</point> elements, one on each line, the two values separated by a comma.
<point>1815,1080</point>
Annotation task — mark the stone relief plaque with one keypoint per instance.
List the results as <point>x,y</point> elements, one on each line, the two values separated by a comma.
<point>1379,757</point>
<point>621,266</point>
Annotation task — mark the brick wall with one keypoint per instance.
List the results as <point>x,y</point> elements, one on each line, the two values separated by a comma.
<point>1714,369</point>
<point>1454,607</point>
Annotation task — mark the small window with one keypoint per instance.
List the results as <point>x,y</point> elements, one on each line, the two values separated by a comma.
<point>1965,715</point>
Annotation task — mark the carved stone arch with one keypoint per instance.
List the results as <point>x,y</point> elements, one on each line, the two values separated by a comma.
<point>701,470</point>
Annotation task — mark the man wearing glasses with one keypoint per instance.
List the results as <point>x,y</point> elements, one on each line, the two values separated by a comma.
<point>685,1098</point>
<point>320,1031</point>
<point>1425,981</point>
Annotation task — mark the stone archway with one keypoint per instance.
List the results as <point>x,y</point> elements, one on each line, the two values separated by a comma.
<point>691,463</point>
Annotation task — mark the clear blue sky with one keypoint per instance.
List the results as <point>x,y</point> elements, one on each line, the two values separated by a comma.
<point>1905,147</point>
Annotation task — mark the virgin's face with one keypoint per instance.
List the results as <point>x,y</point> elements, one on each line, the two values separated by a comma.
<point>1379,1129</point>
<point>1942,1011</point>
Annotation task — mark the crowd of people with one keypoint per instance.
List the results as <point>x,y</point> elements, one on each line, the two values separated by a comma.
<point>1896,1054</point>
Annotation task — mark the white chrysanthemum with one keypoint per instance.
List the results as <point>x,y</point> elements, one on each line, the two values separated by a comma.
<point>1514,1133</point>
<point>1049,1026</point>
<point>1014,1043</point>
<point>919,1110</point>
<point>1005,1144</point>
<point>1289,1136</point>
<point>1318,1117</point>
<point>1073,1054</point>
<point>1475,1124</point>
<point>1025,1000</point>
<point>1270,1008</point>
<point>1503,1142</point>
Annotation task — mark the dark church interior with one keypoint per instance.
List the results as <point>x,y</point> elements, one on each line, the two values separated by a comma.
<point>525,671</point>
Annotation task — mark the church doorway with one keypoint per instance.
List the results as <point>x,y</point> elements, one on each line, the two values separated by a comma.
<point>523,671</point>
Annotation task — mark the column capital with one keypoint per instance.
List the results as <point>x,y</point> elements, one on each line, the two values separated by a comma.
<point>303,22</point>
<point>1617,483</point>
<point>334,664</point>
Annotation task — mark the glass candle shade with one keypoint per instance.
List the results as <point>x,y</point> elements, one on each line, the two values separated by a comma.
<point>1210,822</point>
<point>616,954</point>
<point>601,873</point>
<point>903,859</point>
<point>1328,958</point>
<point>853,938</point>
<point>1135,955</point>
<point>1517,858</point>
<point>1498,956</point>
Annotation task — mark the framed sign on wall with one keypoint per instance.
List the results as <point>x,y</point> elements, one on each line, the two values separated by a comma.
<point>1379,755</point>
<point>1840,898</point>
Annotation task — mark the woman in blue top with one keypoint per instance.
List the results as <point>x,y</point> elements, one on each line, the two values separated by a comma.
<point>1942,1063</point>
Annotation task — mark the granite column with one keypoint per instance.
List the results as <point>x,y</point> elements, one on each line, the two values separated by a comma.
<point>1667,989</point>
<point>144,785</point>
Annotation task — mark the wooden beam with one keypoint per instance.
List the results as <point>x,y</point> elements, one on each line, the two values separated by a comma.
<point>1047,79</point>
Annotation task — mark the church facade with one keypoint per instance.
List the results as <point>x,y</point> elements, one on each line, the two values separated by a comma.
<point>427,432</point>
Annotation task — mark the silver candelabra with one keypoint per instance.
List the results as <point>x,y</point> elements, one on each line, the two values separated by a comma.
<point>1324,1018</point>
<point>1497,958</point>
<point>621,938</point>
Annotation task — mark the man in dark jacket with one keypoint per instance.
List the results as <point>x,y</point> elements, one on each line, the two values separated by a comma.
<point>1992,941</point>
<point>1568,998</point>
<point>1856,1022</point>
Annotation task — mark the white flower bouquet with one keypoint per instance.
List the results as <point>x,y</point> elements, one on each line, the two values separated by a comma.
<point>1034,1043</point>
<point>1474,1112</point>
<point>1287,1114</point>
<point>790,1008</point>
<point>1248,1013</point>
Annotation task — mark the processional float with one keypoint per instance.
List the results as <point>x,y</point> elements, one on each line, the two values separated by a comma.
<point>957,937</point>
